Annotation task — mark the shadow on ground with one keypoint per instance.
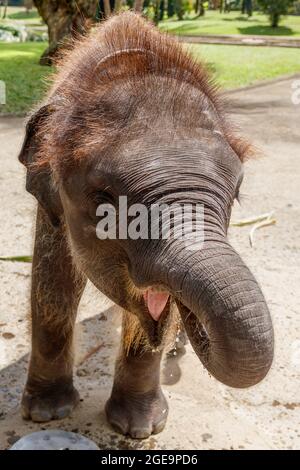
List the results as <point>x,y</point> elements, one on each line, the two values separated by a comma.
<point>257,30</point>
<point>93,378</point>
<point>239,18</point>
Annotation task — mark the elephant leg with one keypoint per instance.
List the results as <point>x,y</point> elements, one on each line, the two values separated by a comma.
<point>137,405</point>
<point>56,289</point>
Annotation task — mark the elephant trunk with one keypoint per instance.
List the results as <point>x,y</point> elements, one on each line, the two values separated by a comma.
<point>223,310</point>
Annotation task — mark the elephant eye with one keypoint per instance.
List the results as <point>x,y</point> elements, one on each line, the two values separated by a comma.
<point>102,197</point>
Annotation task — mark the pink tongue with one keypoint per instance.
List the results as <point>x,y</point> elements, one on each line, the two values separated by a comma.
<point>156,302</point>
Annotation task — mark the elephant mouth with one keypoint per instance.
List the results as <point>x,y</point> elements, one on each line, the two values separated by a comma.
<point>156,314</point>
<point>156,300</point>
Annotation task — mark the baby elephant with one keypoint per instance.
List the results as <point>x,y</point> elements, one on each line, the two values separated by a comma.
<point>133,124</point>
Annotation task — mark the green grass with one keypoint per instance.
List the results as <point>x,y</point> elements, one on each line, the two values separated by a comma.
<point>22,15</point>
<point>232,23</point>
<point>19,259</point>
<point>19,14</point>
<point>22,74</point>
<point>234,66</point>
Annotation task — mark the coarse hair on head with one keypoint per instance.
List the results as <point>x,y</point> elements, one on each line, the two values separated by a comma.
<point>84,108</point>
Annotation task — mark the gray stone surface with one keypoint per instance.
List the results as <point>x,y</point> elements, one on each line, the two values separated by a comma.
<point>54,439</point>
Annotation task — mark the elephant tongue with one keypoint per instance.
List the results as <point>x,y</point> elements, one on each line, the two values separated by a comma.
<point>156,302</point>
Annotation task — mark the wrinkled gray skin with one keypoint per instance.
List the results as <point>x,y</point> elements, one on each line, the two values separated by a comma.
<point>196,166</point>
<point>180,156</point>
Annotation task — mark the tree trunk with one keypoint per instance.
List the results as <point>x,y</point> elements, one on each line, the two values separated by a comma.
<point>28,4</point>
<point>156,11</point>
<point>179,9</point>
<point>250,8</point>
<point>171,8</point>
<point>5,9</point>
<point>64,19</point>
<point>162,8</point>
<point>214,4</point>
<point>275,20</point>
<point>201,9</point>
<point>138,5</point>
<point>107,8</point>
<point>247,7</point>
<point>118,5</point>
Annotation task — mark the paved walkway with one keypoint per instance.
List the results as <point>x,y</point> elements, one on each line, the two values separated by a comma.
<point>204,414</point>
<point>242,40</point>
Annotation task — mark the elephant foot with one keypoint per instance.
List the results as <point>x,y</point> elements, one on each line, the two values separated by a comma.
<point>46,404</point>
<point>137,415</point>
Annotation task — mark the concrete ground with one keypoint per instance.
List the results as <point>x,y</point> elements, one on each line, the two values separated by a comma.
<point>204,414</point>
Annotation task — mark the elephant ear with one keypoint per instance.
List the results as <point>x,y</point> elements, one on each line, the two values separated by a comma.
<point>39,180</point>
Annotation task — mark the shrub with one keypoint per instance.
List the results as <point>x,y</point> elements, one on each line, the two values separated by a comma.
<point>275,9</point>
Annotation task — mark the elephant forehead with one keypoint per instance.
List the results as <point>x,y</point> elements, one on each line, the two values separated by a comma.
<point>153,168</point>
<point>208,154</point>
